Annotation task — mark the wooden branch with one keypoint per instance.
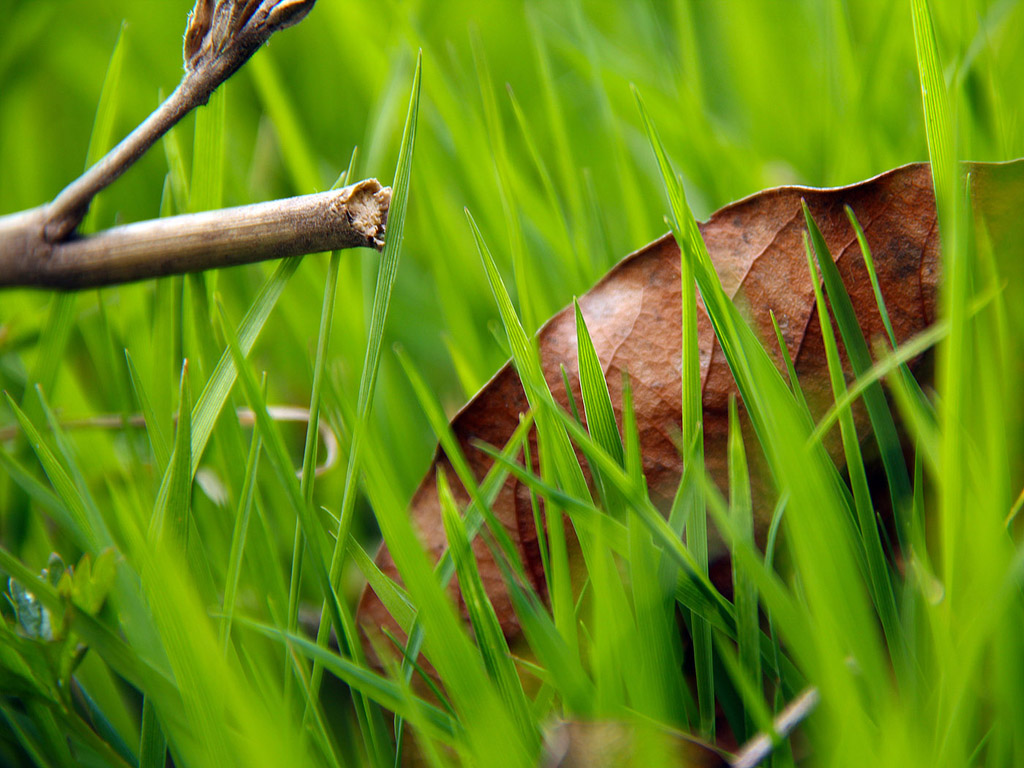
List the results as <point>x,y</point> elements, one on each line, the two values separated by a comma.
<point>350,217</point>
<point>38,247</point>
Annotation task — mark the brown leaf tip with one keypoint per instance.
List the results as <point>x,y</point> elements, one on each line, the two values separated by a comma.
<point>230,31</point>
<point>366,207</point>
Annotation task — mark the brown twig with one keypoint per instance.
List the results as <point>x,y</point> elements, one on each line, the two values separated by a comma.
<point>759,747</point>
<point>346,218</point>
<point>38,246</point>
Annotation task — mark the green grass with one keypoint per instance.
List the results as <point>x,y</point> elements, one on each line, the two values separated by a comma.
<point>524,116</point>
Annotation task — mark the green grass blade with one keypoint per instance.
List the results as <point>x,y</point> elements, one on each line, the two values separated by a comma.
<point>816,508</point>
<point>555,445</point>
<point>215,394</point>
<point>79,508</point>
<point>453,452</point>
<point>152,742</point>
<point>388,694</point>
<point>956,286</point>
<point>860,360</point>
<point>597,401</point>
<point>486,628</point>
<point>239,534</point>
<point>692,421</point>
<point>282,464</point>
<point>170,516</point>
<point>489,726</point>
<point>102,137</point>
<point>879,577</point>
<point>741,512</point>
<point>157,440</point>
<point>379,313</point>
<point>509,204</point>
<point>794,382</point>
<point>299,159</point>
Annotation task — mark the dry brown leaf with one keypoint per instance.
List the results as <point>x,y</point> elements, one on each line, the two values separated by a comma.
<point>633,315</point>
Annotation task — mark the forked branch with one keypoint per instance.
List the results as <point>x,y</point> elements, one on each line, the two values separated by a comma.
<point>39,248</point>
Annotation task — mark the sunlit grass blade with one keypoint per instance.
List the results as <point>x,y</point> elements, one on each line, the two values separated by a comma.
<point>956,353</point>
<point>880,579</point>
<point>692,418</point>
<point>489,637</point>
<point>816,514</point>
<point>741,512</point>
<point>860,360</point>
<point>378,318</point>
<point>554,444</point>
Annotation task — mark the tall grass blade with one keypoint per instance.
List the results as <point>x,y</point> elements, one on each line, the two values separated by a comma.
<point>378,318</point>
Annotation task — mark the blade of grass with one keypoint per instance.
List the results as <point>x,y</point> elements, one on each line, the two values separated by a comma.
<point>489,637</point>
<point>692,428</point>
<point>170,515</point>
<point>388,694</point>
<point>879,577</point>
<point>240,532</point>
<point>741,512</point>
<point>816,507</point>
<point>379,313</point>
<point>860,360</point>
<point>554,444</point>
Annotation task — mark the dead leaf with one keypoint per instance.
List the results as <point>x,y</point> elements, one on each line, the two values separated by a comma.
<point>633,315</point>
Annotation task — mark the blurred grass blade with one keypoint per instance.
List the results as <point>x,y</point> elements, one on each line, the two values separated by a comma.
<point>170,515</point>
<point>240,533</point>
<point>816,510</point>
<point>80,509</point>
<point>438,723</point>
<point>152,742</point>
<point>386,275</point>
<point>157,439</point>
<point>102,137</point>
<point>554,443</point>
<point>211,401</point>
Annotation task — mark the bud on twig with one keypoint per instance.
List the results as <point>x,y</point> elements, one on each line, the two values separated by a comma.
<point>220,37</point>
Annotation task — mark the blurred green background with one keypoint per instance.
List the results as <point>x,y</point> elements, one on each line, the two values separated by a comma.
<point>747,95</point>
